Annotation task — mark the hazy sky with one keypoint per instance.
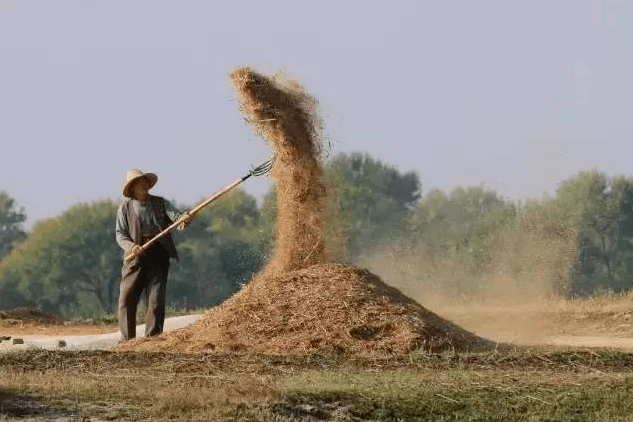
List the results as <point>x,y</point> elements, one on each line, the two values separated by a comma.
<point>514,95</point>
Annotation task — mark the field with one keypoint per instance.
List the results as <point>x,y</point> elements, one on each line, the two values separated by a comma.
<point>536,382</point>
<point>367,344</point>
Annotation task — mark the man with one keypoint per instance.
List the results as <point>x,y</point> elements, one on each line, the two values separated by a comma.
<point>139,218</point>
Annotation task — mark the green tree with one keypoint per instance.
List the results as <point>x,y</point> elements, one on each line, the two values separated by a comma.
<point>374,199</point>
<point>623,263</point>
<point>11,219</point>
<point>459,224</point>
<point>222,249</point>
<point>601,208</point>
<point>70,263</point>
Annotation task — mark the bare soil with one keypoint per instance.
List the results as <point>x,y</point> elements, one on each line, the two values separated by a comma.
<point>574,325</point>
<point>43,328</point>
<point>26,321</point>
<point>539,321</point>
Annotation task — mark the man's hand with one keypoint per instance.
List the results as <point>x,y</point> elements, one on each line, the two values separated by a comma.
<point>185,220</point>
<point>134,251</point>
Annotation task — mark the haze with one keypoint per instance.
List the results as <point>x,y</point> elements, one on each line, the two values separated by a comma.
<point>516,96</point>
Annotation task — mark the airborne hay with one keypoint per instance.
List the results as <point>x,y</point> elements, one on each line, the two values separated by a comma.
<point>286,117</point>
<point>299,302</point>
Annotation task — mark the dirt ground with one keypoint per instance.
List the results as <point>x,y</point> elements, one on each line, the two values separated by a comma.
<point>534,322</point>
<point>608,324</point>
<point>31,321</point>
<point>533,383</point>
<point>570,324</point>
<point>42,328</point>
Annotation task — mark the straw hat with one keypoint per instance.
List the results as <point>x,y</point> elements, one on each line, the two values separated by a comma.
<point>134,175</point>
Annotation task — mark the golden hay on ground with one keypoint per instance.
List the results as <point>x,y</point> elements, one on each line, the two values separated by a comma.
<point>299,302</point>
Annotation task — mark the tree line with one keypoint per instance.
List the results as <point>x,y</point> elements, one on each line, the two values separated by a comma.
<point>577,242</point>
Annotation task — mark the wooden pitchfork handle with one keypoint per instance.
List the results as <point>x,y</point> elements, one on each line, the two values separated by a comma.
<point>257,171</point>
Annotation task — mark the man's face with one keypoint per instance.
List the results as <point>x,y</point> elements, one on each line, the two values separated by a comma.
<point>140,189</point>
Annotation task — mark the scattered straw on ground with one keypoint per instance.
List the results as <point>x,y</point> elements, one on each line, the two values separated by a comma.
<point>299,302</point>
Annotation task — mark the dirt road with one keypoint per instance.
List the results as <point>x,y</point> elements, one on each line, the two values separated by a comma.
<point>68,340</point>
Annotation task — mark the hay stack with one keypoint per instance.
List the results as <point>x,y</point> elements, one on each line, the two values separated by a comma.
<point>298,302</point>
<point>331,307</point>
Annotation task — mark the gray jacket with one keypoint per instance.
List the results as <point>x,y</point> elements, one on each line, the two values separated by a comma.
<point>128,226</point>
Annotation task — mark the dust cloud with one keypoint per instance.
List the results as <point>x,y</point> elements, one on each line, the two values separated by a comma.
<point>513,299</point>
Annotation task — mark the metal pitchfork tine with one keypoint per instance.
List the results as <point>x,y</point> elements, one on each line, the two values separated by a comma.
<point>260,170</point>
<point>264,167</point>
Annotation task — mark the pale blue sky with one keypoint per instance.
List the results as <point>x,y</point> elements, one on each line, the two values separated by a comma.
<point>514,95</point>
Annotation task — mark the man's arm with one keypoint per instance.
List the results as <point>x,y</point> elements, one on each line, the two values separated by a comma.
<point>174,215</point>
<point>123,237</point>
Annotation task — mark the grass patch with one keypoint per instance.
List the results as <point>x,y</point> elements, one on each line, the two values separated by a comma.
<point>535,384</point>
<point>461,394</point>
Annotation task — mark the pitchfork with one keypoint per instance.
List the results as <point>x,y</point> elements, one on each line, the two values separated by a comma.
<point>256,171</point>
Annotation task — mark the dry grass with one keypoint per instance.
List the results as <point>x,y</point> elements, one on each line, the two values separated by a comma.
<point>131,387</point>
<point>529,384</point>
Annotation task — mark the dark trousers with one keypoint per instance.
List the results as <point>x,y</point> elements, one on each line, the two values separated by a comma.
<point>146,273</point>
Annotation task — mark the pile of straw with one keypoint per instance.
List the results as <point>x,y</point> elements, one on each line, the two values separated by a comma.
<point>333,307</point>
<point>299,302</point>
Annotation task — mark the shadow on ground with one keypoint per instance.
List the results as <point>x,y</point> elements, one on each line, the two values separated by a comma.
<point>24,406</point>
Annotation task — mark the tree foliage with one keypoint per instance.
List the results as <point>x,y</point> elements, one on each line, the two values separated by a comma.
<point>603,210</point>
<point>69,263</point>
<point>374,199</point>
<point>222,249</point>
<point>11,219</point>
<point>579,241</point>
<point>459,224</point>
